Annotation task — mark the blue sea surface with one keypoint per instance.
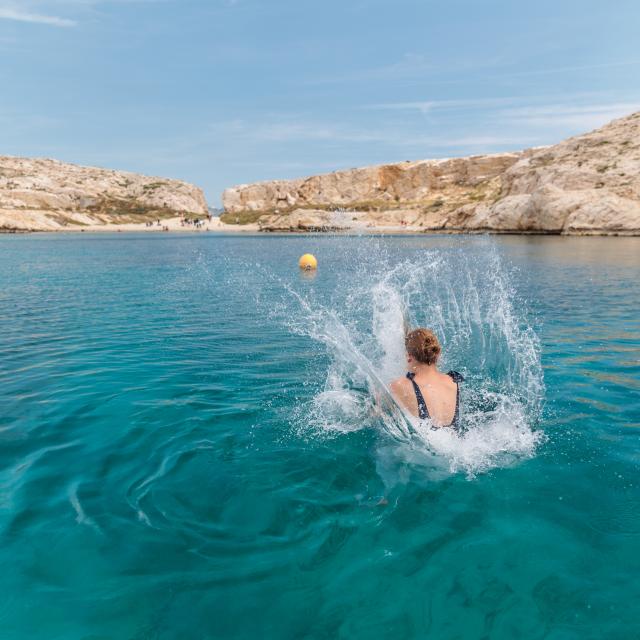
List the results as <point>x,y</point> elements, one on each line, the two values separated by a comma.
<point>195,443</point>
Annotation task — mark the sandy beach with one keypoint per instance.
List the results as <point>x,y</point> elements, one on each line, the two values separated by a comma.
<point>169,224</point>
<point>172,225</point>
<point>175,225</point>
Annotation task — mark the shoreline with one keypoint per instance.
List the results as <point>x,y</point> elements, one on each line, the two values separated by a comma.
<point>173,225</point>
<point>243,230</point>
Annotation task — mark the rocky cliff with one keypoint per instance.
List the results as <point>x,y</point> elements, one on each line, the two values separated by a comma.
<point>589,184</point>
<point>380,187</point>
<point>47,195</point>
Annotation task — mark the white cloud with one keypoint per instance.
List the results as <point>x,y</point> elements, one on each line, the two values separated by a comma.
<point>293,131</point>
<point>426,106</point>
<point>525,113</point>
<point>452,128</point>
<point>41,11</point>
<point>583,117</point>
<point>8,13</point>
<point>568,69</point>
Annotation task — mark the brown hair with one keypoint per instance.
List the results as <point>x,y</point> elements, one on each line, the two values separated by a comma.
<point>423,345</point>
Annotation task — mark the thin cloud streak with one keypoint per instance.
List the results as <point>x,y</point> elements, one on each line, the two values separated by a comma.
<point>37,18</point>
<point>322,132</point>
<point>553,70</point>
<point>425,106</point>
<point>576,118</point>
<point>517,112</point>
<point>417,66</point>
<point>31,14</point>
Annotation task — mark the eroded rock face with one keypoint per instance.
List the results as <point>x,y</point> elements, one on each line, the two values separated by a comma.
<point>589,184</point>
<point>301,220</point>
<point>41,194</point>
<point>586,184</point>
<point>407,182</point>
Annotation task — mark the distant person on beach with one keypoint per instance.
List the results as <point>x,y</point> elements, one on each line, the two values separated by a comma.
<point>425,392</point>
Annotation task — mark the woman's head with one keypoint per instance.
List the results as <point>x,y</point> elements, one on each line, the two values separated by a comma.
<point>422,346</point>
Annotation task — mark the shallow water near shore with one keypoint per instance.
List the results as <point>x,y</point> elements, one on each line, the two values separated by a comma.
<point>196,441</point>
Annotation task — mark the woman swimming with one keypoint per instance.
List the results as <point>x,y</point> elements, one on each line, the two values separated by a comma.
<point>425,392</point>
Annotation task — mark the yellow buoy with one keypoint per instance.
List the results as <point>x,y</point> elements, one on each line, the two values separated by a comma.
<point>308,262</point>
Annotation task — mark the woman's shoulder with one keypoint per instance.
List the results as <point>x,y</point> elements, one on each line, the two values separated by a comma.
<point>401,387</point>
<point>455,376</point>
<point>399,383</point>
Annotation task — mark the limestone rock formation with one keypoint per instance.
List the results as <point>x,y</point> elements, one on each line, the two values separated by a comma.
<point>586,184</point>
<point>384,186</point>
<point>41,194</point>
<point>589,184</point>
<point>302,220</point>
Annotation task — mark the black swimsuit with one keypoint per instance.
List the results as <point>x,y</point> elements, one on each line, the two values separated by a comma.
<point>423,412</point>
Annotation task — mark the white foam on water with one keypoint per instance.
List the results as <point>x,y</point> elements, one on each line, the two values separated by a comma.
<point>81,516</point>
<point>137,492</point>
<point>353,393</point>
<point>467,300</point>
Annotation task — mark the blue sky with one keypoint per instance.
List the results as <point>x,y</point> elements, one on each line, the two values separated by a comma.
<point>221,92</point>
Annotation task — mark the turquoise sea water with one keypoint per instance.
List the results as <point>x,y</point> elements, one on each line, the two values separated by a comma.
<point>195,441</point>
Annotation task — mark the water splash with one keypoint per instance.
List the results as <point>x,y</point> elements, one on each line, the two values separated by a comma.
<point>467,299</point>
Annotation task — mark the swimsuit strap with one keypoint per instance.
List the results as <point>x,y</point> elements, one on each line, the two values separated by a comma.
<point>457,378</point>
<point>423,412</point>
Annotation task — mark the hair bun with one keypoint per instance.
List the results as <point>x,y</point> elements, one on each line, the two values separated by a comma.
<point>423,345</point>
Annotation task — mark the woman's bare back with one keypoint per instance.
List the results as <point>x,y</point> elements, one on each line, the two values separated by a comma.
<point>438,390</point>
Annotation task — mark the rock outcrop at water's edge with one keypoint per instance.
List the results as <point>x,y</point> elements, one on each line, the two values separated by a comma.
<point>48,195</point>
<point>588,184</point>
